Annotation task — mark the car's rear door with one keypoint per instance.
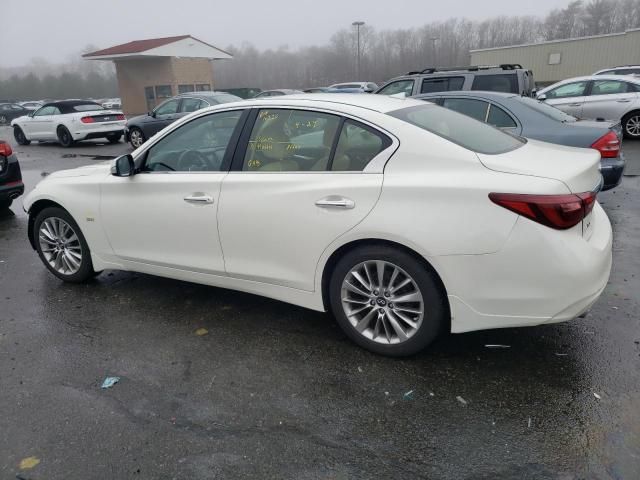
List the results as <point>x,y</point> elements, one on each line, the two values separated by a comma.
<point>608,99</point>
<point>165,216</point>
<point>300,179</point>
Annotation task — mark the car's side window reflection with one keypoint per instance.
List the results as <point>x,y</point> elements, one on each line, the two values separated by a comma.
<point>198,146</point>
<point>291,141</point>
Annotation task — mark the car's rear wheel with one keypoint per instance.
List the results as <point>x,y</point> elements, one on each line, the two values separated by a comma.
<point>136,137</point>
<point>62,246</point>
<point>631,125</point>
<point>387,301</point>
<point>3,119</point>
<point>115,138</point>
<point>20,137</point>
<point>64,137</point>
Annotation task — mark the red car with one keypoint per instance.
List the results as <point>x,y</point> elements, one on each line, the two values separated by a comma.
<point>11,185</point>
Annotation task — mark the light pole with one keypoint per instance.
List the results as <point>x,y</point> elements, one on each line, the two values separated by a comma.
<point>358,25</point>
<point>435,52</point>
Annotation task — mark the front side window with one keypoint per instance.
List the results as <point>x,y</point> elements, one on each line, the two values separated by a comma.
<point>608,87</point>
<point>442,84</point>
<point>190,105</point>
<point>197,146</point>
<point>499,118</point>
<point>459,129</point>
<point>290,141</point>
<point>401,86</point>
<point>473,108</point>
<point>357,146</point>
<point>45,111</point>
<point>507,83</point>
<point>168,108</point>
<point>575,89</point>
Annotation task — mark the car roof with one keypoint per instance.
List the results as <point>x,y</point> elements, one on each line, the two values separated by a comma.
<point>205,94</point>
<point>377,103</point>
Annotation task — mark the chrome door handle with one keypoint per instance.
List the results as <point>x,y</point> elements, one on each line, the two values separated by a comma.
<point>199,199</point>
<point>575,104</point>
<point>335,202</point>
<point>623,101</point>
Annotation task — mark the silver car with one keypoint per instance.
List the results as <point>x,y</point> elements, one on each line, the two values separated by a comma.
<point>595,97</point>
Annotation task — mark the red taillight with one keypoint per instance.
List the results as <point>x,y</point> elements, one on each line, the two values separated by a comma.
<point>87,120</point>
<point>120,117</point>
<point>608,145</point>
<point>5,149</point>
<point>556,211</point>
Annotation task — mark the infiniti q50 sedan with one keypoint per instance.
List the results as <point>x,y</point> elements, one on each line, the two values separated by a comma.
<point>402,218</point>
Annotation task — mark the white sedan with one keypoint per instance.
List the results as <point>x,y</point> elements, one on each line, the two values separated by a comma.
<point>401,218</point>
<point>69,121</point>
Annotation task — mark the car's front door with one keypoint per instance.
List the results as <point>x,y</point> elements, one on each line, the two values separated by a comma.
<point>608,99</point>
<point>568,97</point>
<point>40,125</point>
<point>165,215</point>
<point>165,114</point>
<point>297,184</point>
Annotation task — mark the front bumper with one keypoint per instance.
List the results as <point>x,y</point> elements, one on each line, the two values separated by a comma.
<point>612,170</point>
<point>540,276</point>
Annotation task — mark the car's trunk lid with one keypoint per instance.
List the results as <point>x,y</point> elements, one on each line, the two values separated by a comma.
<point>577,168</point>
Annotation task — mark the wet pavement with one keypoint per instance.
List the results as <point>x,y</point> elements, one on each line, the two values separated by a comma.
<point>276,391</point>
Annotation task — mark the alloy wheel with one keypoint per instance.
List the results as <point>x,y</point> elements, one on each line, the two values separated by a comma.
<point>633,126</point>
<point>60,246</point>
<point>382,302</point>
<point>136,138</point>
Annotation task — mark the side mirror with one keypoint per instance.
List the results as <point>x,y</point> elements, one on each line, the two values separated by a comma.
<point>542,97</point>
<point>152,113</point>
<point>123,166</point>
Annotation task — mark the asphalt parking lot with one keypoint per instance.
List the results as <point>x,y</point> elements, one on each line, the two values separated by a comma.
<point>274,391</point>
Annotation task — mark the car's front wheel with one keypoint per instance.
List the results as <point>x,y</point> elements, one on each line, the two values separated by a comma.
<point>631,125</point>
<point>387,301</point>
<point>115,138</point>
<point>20,137</point>
<point>64,137</point>
<point>136,137</point>
<point>62,246</point>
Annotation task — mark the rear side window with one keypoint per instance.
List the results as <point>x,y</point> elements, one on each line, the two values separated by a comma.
<point>507,83</point>
<point>357,146</point>
<point>401,86</point>
<point>441,84</point>
<point>608,87</point>
<point>473,108</point>
<point>499,118</point>
<point>459,129</point>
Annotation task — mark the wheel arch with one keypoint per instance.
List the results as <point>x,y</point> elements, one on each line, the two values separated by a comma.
<point>349,246</point>
<point>34,210</point>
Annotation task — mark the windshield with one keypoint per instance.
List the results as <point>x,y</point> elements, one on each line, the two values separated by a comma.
<point>87,107</point>
<point>459,129</point>
<point>548,110</point>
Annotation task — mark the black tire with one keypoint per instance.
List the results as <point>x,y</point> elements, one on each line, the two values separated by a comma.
<point>20,137</point>
<point>3,119</point>
<point>5,203</point>
<point>64,137</point>
<point>115,138</point>
<point>136,135</point>
<point>631,125</point>
<point>434,303</point>
<point>85,270</point>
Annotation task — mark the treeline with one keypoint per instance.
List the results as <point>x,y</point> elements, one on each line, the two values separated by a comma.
<point>387,53</point>
<point>64,85</point>
<point>384,53</point>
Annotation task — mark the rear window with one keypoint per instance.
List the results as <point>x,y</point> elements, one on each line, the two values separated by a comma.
<point>441,84</point>
<point>88,107</point>
<point>459,129</point>
<point>548,110</point>
<point>507,83</point>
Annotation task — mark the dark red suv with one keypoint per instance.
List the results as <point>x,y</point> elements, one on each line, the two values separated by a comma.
<point>11,185</point>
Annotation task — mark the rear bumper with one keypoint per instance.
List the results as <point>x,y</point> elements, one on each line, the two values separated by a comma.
<point>97,130</point>
<point>612,170</point>
<point>540,276</point>
<point>11,190</point>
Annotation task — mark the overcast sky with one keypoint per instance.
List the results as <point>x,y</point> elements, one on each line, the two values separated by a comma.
<point>56,29</point>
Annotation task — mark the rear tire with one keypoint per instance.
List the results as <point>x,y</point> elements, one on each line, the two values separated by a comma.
<point>114,138</point>
<point>64,137</point>
<point>386,301</point>
<point>631,125</point>
<point>20,137</point>
<point>136,137</point>
<point>61,245</point>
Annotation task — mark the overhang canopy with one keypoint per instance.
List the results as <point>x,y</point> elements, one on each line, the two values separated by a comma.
<point>184,46</point>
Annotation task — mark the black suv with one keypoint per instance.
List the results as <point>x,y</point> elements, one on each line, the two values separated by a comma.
<point>11,185</point>
<point>508,78</point>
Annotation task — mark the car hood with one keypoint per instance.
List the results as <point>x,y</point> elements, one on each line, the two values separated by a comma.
<point>102,168</point>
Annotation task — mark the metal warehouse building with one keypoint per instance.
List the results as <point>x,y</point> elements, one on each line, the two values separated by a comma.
<point>559,59</point>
